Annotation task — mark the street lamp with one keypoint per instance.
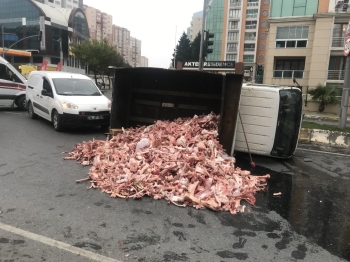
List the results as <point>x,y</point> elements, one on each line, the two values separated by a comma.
<point>38,36</point>
<point>61,53</point>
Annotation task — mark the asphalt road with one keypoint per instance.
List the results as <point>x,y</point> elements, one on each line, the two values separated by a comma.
<point>46,216</point>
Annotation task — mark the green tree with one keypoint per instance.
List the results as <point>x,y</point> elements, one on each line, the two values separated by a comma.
<point>195,48</point>
<point>182,52</point>
<point>325,95</point>
<point>98,55</point>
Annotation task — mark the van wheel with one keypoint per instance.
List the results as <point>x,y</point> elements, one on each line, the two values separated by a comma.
<point>31,113</point>
<point>21,103</point>
<point>57,121</point>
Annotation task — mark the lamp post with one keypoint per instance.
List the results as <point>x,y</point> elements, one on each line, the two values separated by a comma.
<point>61,53</point>
<point>38,36</point>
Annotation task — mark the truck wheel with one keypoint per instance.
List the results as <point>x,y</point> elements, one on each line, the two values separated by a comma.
<point>21,103</point>
<point>57,121</point>
<point>31,113</point>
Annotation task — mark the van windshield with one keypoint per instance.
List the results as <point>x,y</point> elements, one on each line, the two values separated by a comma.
<point>75,87</point>
<point>288,123</point>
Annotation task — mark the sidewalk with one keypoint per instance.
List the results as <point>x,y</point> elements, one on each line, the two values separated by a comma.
<point>324,137</point>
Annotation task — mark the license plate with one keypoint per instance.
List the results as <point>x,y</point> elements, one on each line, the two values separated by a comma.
<point>94,117</point>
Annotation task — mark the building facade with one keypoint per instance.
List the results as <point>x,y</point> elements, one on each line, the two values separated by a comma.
<point>121,40</point>
<point>236,25</point>
<point>59,27</point>
<point>196,25</point>
<point>135,52</point>
<point>305,42</point>
<point>144,61</point>
<point>100,24</point>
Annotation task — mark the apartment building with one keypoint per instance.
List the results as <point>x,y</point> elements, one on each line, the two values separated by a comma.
<point>305,42</point>
<point>134,56</point>
<point>144,61</point>
<point>196,25</point>
<point>63,3</point>
<point>121,40</point>
<point>238,28</point>
<point>100,24</point>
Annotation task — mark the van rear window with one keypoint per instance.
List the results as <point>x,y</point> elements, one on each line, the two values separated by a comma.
<point>75,87</point>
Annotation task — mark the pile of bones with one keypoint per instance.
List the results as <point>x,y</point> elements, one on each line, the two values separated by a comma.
<point>181,161</point>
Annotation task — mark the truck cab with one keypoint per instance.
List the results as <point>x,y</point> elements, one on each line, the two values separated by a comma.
<point>12,85</point>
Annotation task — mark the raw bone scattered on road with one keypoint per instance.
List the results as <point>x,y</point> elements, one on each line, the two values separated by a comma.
<point>181,161</point>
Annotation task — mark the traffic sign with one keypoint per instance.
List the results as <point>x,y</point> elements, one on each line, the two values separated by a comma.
<point>347,46</point>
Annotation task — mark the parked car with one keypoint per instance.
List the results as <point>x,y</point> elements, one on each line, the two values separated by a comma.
<point>67,100</point>
<point>12,85</point>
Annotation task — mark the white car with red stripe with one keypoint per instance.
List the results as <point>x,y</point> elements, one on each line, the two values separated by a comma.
<point>12,85</point>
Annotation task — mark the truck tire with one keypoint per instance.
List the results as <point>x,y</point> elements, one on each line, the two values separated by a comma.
<point>31,113</point>
<point>21,103</point>
<point>57,121</point>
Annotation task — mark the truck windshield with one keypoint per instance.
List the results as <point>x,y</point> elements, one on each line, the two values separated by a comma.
<point>288,123</point>
<point>75,87</point>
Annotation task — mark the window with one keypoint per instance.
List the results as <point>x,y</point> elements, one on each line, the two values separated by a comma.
<point>248,58</point>
<point>292,36</point>
<point>289,68</point>
<point>336,68</point>
<point>235,13</point>
<point>233,25</point>
<point>232,36</point>
<point>252,13</point>
<point>250,36</point>
<point>232,47</point>
<point>231,57</point>
<point>54,60</point>
<point>249,47</point>
<point>250,24</point>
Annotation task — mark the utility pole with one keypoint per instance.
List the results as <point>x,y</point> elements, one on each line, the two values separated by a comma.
<point>345,95</point>
<point>200,68</point>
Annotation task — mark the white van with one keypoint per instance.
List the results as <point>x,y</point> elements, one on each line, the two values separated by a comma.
<point>271,117</point>
<point>12,85</point>
<point>66,99</point>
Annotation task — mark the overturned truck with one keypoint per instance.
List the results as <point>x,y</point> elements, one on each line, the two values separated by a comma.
<point>259,119</point>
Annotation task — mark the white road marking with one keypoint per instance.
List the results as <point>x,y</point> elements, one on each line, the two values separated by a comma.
<point>324,152</point>
<point>56,244</point>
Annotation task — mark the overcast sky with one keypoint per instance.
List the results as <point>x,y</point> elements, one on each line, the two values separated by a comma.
<point>157,23</point>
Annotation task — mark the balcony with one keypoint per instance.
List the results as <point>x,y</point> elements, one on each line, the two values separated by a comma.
<point>255,15</point>
<point>336,75</point>
<point>232,50</point>
<point>338,42</point>
<point>288,73</point>
<point>247,49</point>
<point>252,3</point>
<point>250,38</point>
<point>236,3</point>
<point>250,27</point>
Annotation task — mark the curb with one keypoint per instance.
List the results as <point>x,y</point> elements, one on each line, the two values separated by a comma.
<point>324,137</point>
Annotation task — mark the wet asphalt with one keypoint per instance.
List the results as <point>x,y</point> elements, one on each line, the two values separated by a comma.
<point>309,221</point>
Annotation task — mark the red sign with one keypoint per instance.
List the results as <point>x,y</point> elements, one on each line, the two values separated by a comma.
<point>347,46</point>
<point>59,67</point>
<point>43,66</point>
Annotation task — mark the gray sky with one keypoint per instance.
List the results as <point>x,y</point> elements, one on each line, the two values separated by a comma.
<point>157,23</point>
